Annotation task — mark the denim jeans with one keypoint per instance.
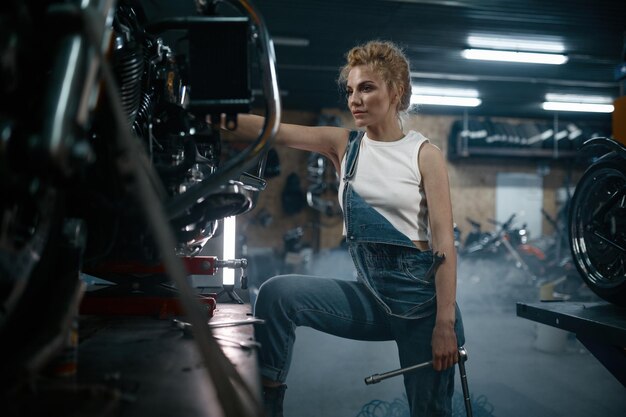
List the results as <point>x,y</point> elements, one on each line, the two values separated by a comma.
<point>348,309</point>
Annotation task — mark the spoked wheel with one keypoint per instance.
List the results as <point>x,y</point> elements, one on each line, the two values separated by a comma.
<point>598,229</point>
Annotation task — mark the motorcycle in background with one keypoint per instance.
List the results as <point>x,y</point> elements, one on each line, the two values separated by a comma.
<point>505,242</point>
<point>475,235</point>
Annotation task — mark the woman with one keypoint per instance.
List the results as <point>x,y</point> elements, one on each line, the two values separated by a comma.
<point>397,213</point>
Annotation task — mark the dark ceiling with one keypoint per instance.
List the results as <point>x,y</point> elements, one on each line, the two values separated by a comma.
<point>433,33</point>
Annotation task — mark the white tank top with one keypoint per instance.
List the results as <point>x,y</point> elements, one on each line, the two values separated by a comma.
<point>388,178</point>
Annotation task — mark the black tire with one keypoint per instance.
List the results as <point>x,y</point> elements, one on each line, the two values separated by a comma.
<point>597,229</point>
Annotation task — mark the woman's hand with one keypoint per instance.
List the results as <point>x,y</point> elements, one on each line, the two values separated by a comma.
<point>444,344</point>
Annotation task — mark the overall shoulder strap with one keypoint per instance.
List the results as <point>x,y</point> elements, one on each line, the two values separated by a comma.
<point>352,152</point>
<point>355,135</point>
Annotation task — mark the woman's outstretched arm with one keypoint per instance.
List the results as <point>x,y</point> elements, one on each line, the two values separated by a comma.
<point>327,140</point>
<point>437,189</point>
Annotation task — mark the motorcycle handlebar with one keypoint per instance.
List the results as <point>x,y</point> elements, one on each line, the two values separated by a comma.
<point>505,225</point>
<point>474,223</point>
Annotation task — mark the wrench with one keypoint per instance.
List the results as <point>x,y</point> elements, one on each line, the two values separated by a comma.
<point>251,320</point>
<point>375,378</point>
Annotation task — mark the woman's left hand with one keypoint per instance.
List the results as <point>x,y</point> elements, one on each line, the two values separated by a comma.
<point>444,344</point>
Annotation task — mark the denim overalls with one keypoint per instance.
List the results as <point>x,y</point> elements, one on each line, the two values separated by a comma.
<point>387,261</point>
<point>390,300</point>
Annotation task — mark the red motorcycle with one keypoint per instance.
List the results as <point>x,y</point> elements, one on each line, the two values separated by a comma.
<point>508,242</point>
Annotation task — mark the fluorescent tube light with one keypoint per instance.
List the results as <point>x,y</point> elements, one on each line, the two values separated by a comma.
<point>290,41</point>
<point>581,107</point>
<point>230,229</point>
<point>576,98</point>
<point>575,102</point>
<point>514,44</point>
<point>513,56</point>
<point>443,91</point>
<point>445,100</point>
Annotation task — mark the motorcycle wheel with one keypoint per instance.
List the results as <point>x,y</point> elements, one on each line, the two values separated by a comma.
<point>597,229</point>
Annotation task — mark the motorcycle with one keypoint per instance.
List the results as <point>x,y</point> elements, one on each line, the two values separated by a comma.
<point>506,242</point>
<point>597,222</point>
<point>106,155</point>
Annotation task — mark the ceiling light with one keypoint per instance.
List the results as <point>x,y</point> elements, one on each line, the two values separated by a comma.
<point>443,91</point>
<point>577,98</point>
<point>580,107</point>
<point>259,93</point>
<point>575,102</point>
<point>290,41</point>
<point>444,96</point>
<point>513,56</point>
<point>514,44</point>
<point>445,100</point>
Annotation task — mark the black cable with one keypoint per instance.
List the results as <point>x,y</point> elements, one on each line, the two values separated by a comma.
<point>399,407</point>
<point>481,407</point>
<point>379,408</point>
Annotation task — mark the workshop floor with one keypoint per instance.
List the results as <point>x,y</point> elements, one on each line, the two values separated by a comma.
<point>515,369</point>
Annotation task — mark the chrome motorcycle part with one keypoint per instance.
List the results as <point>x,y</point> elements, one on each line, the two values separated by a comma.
<point>248,158</point>
<point>321,194</point>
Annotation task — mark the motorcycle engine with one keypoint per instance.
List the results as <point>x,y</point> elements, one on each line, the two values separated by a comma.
<point>154,89</point>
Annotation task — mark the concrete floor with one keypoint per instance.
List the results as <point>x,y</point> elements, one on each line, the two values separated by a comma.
<point>515,368</point>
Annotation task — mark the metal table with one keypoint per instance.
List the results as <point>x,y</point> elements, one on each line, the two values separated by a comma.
<point>600,327</point>
<point>156,368</point>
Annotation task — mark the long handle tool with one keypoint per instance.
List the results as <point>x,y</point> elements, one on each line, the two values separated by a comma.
<point>373,379</point>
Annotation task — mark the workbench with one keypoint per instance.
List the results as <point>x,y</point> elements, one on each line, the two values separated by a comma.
<point>599,326</point>
<point>156,367</point>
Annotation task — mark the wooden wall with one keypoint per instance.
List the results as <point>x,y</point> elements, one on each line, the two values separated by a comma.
<point>472,182</point>
<point>291,161</point>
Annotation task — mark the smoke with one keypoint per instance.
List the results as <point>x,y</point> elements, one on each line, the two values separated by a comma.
<point>335,263</point>
<point>496,284</point>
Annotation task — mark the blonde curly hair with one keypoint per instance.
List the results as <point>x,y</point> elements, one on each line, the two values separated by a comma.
<point>388,60</point>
